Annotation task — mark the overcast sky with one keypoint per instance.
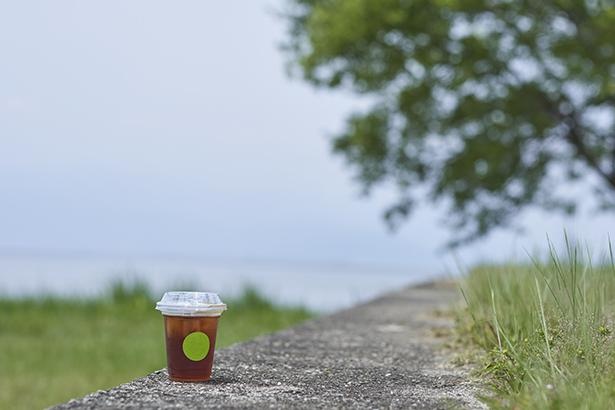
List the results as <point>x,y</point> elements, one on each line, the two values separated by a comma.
<point>157,126</point>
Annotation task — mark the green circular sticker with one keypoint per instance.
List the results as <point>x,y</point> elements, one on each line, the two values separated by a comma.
<point>196,346</point>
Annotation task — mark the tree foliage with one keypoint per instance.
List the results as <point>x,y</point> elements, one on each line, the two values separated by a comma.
<point>488,105</point>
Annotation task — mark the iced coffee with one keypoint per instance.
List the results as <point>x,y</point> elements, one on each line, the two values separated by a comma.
<point>190,324</point>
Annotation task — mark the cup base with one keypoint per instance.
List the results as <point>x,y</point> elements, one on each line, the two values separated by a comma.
<point>189,379</point>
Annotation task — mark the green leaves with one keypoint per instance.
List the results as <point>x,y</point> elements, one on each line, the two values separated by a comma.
<point>476,102</point>
<point>366,145</point>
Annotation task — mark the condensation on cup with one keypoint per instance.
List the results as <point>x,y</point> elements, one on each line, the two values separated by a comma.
<point>190,325</point>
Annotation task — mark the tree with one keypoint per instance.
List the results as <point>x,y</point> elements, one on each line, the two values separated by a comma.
<point>486,105</point>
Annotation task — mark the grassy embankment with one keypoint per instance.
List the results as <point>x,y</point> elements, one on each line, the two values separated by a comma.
<point>55,349</point>
<point>543,333</point>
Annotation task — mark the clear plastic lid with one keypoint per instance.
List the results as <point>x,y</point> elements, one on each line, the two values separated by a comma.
<point>191,304</point>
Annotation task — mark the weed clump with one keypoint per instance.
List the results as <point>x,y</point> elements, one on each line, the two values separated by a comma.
<point>544,330</point>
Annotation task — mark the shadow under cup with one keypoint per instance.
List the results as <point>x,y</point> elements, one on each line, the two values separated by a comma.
<point>190,325</point>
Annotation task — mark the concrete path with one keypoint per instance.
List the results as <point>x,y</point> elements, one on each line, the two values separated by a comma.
<point>378,355</point>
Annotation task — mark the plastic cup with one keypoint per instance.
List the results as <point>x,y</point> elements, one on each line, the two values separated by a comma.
<point>190,325</point>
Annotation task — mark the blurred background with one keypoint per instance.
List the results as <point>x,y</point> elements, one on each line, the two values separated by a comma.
<point>146,145</point>
<point>169,143</point>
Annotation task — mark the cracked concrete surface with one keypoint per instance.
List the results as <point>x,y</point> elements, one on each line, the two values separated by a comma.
<point>381,354</point>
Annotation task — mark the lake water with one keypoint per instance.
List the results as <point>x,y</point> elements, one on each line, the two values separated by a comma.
<point>322,287</point>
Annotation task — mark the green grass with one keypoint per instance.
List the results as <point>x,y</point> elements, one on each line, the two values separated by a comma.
<point>544,332</point>
<point>55,349</point>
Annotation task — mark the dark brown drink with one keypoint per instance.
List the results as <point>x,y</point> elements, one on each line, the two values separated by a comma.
<point>190,326</point>
<point>190,354</point>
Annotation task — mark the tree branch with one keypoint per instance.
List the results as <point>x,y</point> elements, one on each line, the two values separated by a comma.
<point>574,137</point>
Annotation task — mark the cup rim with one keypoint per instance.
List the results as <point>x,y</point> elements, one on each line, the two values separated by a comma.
<point>193,307</point>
